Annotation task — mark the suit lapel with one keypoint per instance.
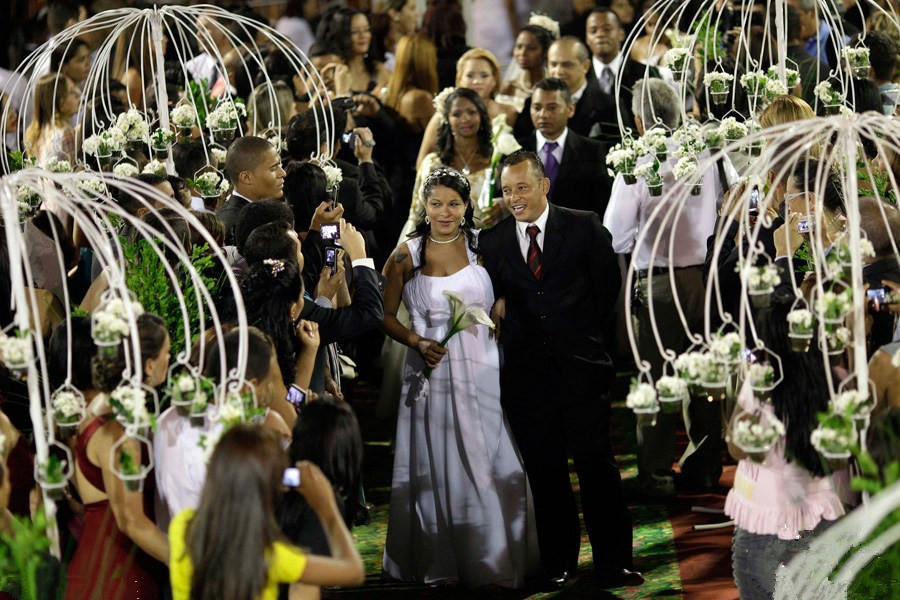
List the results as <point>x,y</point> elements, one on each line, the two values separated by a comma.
<point>553,239</point>
<point>569,155</point>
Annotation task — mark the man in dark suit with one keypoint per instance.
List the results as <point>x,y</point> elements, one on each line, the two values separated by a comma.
<point>611,68</point>
<point>254,168</point>
<point>574,164</point>
<point>568,59</point>
<point>556,276</point>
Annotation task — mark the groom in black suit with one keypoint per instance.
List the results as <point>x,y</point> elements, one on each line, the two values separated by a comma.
<point>555,270</point>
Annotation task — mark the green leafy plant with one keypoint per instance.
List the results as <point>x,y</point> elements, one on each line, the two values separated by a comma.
<point>803,258</point>
<point>147,278</point>
<point>708,36</point>
<point>23,553</point>
<point>200,98</point>
<point>127,464</point>
<point>53,469</point>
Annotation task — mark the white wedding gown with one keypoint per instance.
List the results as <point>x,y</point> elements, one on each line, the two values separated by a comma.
<point>460,507</point>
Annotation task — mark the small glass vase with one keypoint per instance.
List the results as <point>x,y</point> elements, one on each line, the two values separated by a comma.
<point>105,162</point>
<point>133,483</point>
<point>655,190</point>
<point>761,298</point>
<point>670,404</point>
<point>800,341</point>
<point>629,178</point>
<point>719,98</point>
<point>861,71</point>
<point>184,133</point>
<point>133,148</point>
<point>715,390</point>
<point>67,430</point>
<point>756,453</point>
<point>646,417</point>
<point>662,156</point>
<point>223,136</point>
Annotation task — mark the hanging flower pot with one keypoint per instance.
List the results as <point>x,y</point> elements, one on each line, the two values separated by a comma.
<point>671,404</point>
<point>718,98</point>
<point>105,162</point>
<point>697,188</point>
<point>133,148</point>
<point>800,342</point>
<point>185,134</point>
<point>629,178</point>
<point>223,136</point>
<point>53,474</point>
<point>655,190</point>
<point>646,417</point>
<point>198,419</point>
<point>761,298</point>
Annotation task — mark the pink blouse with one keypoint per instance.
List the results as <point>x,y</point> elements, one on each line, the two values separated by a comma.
<point>779,497</point>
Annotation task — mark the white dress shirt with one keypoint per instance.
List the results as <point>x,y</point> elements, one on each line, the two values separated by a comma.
<point>524,240</point>
<point>630,214</point>
<point>561,141</point>
<point>613,65</point>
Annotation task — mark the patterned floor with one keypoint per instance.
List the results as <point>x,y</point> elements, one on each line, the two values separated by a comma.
<point>654,544</point>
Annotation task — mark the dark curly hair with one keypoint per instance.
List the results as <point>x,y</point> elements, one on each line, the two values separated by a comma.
<point>453,179</point>
<point>334,30</point>
<point>269,289</point>
<point>445,140</point>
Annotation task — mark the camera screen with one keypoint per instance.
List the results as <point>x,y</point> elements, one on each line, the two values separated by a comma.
<point>329,232</point>
<point>754,199</point>
<point>876,294</point>
<point>296,396</point>
<point>803,226</point>
<point>330,256</point>
<point>291,477</point>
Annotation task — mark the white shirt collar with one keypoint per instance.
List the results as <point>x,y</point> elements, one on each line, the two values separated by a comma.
<point>561,140</point>
<point>576,95</point>
<point>235,193</point>
<point>541,222</point>
<point>613,65</point>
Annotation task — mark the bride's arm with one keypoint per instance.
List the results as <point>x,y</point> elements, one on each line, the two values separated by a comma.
<point>397,271</point>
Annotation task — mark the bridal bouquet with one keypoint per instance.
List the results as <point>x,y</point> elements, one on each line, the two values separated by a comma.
<point>461,318</point>
<point>503,143</point>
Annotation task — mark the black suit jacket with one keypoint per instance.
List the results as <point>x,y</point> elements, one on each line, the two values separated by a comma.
<point>586,119</point>
<point>582,182</point>
<point>629,74</point>
<point>228,214</point>
<point>553,325</point>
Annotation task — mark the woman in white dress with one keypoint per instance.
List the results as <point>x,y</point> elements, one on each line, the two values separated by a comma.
<point>459,499</point>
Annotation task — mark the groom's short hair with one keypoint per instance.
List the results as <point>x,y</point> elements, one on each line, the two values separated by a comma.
<point>520,156</point>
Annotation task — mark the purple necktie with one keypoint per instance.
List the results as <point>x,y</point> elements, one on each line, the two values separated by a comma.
<point>551,165</point>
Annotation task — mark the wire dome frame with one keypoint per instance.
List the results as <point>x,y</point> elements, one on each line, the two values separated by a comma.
<point>193,37</point>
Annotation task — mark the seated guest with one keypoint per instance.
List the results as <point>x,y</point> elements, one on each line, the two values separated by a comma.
<point>212,559</point>
<point>628,216</point>
<point>253,167</point>
<point>327,435</point>
<point>570,160</point>
<point>615,73</point>
<point>780,505</point>
<point>568,59</point>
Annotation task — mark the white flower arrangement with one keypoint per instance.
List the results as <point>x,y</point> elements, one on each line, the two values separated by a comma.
<point>711,368</point>
<point>685,167</point>
<point>679,39</point>
<point>506,144</point>
<point>834,437</point>
<point>129,403</point>
<point>690,139</point>
<point>727,347</point>
<point>689,366</point>
<point>125,169</point>
<point>718,81</point>
<point>827,95</point>
<point>545,22</point>
<point>183,115</point>
<point>712,137</point>
<point>835,305</point>
<point>653,141</point>
<point>801,321</point>
<point>106,142</point>
<point>162,138</point>
<point>676,58</point>
<point>671,387</point>
<point>791,76</point>
<point>852,403</point>
<point>333,176</point>
<point>856,57</point>
<point>839,338</point>
<point>760,375</point>
<point>226,114</point>
<point>440,103</point>
<point>218,154</point>
<point>731,129</point>
<point>211,184</point>
<point>110,324</point>
<point>754,82</point>
<point>750,433</point>
<point>775,88</point>
<point>763,278</point>
<point>68,407</point>
<point>92,186</point>
<point>156,167</point>
<point>642,398</point>
<point>15,352</point>
<point>649,170</point>
<point>28,200</point>
<point>133,125</point>
<point>621,158</point>
<point>188,390</point>
<point>55,165</point>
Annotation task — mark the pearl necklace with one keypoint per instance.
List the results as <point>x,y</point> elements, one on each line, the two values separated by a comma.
<point>458,233</point>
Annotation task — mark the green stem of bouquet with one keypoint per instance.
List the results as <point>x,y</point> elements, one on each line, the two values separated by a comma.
<point>443,343</point>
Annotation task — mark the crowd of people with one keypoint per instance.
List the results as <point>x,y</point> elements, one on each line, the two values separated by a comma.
<point>440,223</point>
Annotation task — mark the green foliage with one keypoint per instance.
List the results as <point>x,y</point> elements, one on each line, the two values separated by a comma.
<point>127,464</point>
<point>146,277</point>
<point>876,184</point>
<point>804,260</point>
<point>77,311</point>
<point>199,97</point>
<point>709,37</point>
<point>53,469</point>
<point>18,161</point>
<point>21,554</point>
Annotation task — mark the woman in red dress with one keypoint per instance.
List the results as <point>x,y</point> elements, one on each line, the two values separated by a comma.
<point>121,551</point>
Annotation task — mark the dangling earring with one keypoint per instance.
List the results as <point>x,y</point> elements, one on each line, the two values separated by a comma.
<point>427,220</point>
<point>462,223</point>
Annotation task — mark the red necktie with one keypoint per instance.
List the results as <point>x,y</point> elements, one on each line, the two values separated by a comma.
<point>534,251</point>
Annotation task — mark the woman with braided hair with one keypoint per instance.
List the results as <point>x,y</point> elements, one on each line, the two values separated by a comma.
<point>459,499</point>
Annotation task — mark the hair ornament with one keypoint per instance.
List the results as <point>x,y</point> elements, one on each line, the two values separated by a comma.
<point>435,176</point>
<point>275,265</point>
<point>440,103</point>
<point>545,22</point>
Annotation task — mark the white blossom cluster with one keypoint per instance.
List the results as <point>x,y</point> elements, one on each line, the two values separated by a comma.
<point>15,352</point>
<point>839,338</point>
<point>133,124</point>
<point>187,389</point>
<point>690,140</point>
<point>827,95</point>
<point>749,433</point>
<point>830,438</point>
<point>211,184</point>
<point>92,186</point>
<point>28,200</point>
<point>649,171</point>
<point>718,81</point>
<point>732,129</point>
<point>110,324</point>
<point>726,347</point>
<point>834,305</point>
<point>791,75</point>
<point>652,142</point>
<point>156,167</point>
<point>67,406</point>
<point>852,403</point>
<point>685,167</point>
<point>183,115</point>
<point>760,375</point>
<point>857,57</point>
<point>641,397</point>
<point>55,165</point>
<point>754,82</point>
<point>333,176</point>
<point>690,365</point>
<point>218,154</point>
<point>129,402</point>
<point>676,58</point>
<point>104,143</point>
<point>161,138</point>
<point>671,387</point>
<point>125,169</point>
<point>226,115</point>
<point>621,159</point>
<point>801,320</point>
<point>763,278</point>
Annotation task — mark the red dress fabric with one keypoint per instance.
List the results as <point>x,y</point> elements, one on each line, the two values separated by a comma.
<point>107,565</point>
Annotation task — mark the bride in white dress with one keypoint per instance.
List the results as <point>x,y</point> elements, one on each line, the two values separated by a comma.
<point>459,499</point>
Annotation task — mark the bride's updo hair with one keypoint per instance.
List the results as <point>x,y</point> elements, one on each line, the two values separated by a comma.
<point>446,142</point>
<point>456,181</point>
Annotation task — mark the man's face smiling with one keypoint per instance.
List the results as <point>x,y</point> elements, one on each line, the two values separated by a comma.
<point>524,193</point>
